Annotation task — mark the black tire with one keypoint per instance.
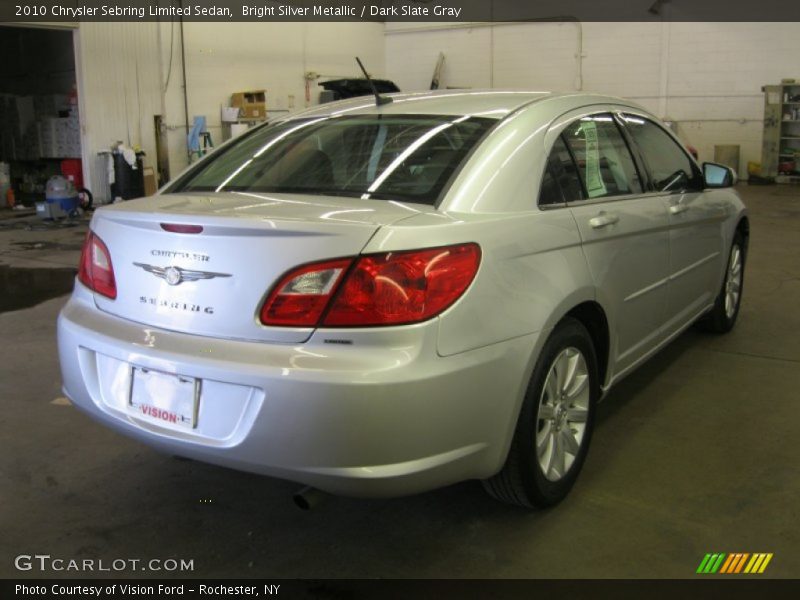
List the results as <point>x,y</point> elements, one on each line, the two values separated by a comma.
<point>522,480</point>
<point>720,319</point>
<point>86,198</point>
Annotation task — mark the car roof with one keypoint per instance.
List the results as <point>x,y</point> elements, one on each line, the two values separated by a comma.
<point>486,103</point>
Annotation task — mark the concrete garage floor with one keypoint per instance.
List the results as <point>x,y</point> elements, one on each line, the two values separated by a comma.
<point>694,453</point>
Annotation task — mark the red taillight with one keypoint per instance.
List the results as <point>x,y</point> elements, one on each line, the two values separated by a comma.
<point>300,297</point>
<point>404,287</point>
<point>96,271</point>
<point>380,289</point>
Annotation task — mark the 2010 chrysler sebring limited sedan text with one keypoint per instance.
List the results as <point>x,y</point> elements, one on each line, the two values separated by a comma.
<point>380,300</point>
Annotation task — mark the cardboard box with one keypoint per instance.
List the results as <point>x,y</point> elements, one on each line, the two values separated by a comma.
<point>253,104</point>
<point>150,186</point>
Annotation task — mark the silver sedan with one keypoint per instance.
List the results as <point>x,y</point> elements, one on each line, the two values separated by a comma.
<point>377,299</point>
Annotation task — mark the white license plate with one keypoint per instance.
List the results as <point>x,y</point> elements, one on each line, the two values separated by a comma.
<point>168,400</point>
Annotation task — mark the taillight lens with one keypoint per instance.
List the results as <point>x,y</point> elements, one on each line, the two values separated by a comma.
<point>394,288</point>
<point>300,297</point>
<point>404,287</point>
<point>96,271</point>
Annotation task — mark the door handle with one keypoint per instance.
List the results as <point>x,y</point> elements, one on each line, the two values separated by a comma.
<point>603,220</point>
<point>678,208</point>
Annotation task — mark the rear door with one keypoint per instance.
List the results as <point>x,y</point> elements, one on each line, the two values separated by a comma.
<point>695,220</point>
<point>624,233</point>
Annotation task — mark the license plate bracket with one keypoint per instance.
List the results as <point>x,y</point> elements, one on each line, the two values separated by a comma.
<point>165,399</point>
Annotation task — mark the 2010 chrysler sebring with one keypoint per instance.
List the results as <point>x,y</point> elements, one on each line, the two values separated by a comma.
<point>378,299</point>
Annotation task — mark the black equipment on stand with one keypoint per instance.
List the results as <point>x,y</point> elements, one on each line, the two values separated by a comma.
<point>128,180</point>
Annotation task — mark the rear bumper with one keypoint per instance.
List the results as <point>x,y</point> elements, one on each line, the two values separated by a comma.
<point>384,416</point>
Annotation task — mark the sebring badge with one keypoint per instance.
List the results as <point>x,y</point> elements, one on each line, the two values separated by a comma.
<point>176,275</point>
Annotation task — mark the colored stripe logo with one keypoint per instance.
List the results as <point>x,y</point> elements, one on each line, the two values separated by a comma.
<point>734,563</point>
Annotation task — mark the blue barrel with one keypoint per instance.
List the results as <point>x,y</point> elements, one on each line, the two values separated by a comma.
<point>61,192</point>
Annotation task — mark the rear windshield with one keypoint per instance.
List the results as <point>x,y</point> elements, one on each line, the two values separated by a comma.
<point>403,157</point>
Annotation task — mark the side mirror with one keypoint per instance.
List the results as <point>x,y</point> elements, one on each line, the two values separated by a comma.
<point>718,176</point>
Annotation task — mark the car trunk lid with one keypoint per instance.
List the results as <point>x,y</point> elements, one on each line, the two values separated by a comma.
<point>214,281</point>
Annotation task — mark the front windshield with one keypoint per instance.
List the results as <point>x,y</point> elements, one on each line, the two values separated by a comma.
<point>401,157</point>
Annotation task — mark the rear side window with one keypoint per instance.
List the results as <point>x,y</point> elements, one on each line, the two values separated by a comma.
<point>560,182</point>
<point>604,161</point>
<point>671,169</point>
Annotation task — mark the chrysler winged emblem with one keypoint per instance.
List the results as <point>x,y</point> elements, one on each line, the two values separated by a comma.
<point>176,275</point>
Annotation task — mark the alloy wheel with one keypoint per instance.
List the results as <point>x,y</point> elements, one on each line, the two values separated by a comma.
<point>733,282</point>
<point>563,412</point>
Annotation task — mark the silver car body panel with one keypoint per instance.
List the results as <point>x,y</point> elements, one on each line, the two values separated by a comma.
<point>373,417</point>
<point>389,410</point>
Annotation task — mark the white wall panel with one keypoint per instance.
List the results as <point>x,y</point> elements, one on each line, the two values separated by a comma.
<point>120,90</point>
<point>623,59</point>
<point>123,70</point>
<point>224,58</point>
<point>540,58</point>
<point>706,76</point>
<point>411,58</point>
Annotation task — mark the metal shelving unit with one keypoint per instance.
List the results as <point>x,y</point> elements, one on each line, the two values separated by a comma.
<point>780,152</point>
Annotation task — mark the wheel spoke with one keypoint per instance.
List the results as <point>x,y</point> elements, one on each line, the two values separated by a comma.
<point>577,414</point>
<point>580,384</point>
<point>546,412</point>
<point>569,443</point>
<point>572,368</point>
<point>551,386</point>
<point>550,444</point>
<point>561,367</point>
<point>558,455</point>
<point>543,438</point>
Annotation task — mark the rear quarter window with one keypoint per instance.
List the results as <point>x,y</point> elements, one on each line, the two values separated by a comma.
<point>560,182</point>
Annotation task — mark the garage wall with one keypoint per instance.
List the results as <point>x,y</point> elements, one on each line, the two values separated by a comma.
<point>706,76</point>
<point>226,58</point>
<point>119,92</point>
<point>125,76</point>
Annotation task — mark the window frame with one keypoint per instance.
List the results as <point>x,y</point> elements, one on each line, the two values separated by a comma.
<point>564,202</point>
<point>642,174</point>
<point>549,205</point>
<point>619,115</point>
